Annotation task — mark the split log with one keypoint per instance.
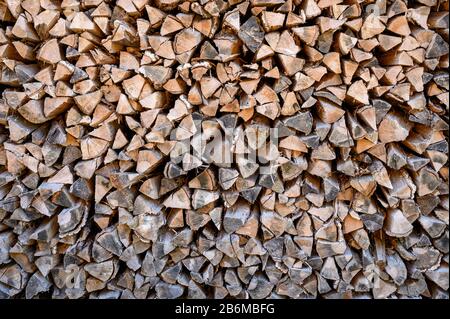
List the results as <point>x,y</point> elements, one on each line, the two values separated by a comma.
<point>224,149</point>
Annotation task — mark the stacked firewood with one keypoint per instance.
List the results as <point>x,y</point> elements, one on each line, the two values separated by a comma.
<point>224,149</point>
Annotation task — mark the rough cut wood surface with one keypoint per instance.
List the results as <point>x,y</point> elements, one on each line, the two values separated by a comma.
<point>224,149</point>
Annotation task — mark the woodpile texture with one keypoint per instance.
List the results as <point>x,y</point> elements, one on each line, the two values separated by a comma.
<point>108,186</point>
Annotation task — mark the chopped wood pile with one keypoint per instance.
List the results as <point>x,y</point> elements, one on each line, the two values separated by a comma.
<point>224,149</point>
